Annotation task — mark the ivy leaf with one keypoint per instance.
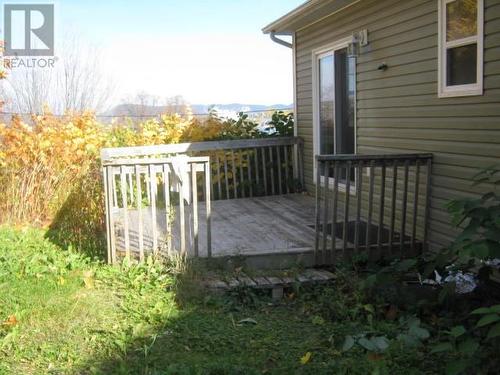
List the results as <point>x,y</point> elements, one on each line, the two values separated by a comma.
<point>409,340</point>
<point>481,311</point>
<point>457,331</point>
<point>494,331</point>
<point>487,319</point>
<point>468,347</point>
<point>367,344</point>
<point>442,347</point>
<point>348,343</point>
<point>419,332</point>
<point>381,343</point>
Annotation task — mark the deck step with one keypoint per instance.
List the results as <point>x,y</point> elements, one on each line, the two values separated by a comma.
<point>307,276</point>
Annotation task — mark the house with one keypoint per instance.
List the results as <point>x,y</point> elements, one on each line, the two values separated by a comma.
<point>391,76</point>
<point>397,107</point>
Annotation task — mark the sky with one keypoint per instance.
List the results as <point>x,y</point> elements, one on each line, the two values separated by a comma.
<point>210,51</point>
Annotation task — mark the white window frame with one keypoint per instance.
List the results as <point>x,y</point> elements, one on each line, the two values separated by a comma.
<point>445,91</point>
<point>316,55</point>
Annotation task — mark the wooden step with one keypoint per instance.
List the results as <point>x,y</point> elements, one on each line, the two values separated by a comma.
<point>307,276</point>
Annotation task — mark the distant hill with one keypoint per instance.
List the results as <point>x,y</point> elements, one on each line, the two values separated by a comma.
<point>129,109</point>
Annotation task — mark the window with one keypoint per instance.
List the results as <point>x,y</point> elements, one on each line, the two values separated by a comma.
<point>334,101</point>
<point>460,71</point>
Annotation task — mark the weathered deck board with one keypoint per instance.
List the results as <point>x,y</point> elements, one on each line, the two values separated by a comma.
<point>247,226</point>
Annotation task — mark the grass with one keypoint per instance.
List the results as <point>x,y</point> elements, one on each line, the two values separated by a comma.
<point>62,313</point>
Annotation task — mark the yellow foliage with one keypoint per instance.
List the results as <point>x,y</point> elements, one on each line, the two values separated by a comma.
<point>50,168</point>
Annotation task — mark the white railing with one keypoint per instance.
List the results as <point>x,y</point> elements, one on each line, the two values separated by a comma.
<point>153,205</point>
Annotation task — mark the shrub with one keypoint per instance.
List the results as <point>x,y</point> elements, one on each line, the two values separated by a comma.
<point>50,169</point>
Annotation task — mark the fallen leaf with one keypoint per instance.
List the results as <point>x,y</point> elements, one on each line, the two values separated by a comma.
<point>306,358</point>
<point>10,321</point>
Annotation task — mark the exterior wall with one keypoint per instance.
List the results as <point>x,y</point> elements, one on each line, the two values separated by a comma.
<point>398,110</point>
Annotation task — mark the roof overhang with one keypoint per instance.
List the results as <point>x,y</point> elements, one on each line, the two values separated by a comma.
<point>306,14</point>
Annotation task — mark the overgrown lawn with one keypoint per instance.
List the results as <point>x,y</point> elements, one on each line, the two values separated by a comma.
<point>61,313</point>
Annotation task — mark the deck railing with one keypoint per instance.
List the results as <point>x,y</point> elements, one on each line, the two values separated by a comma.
<point>148,177</point>
<point>132,196</point>
<point>239,168</point>
<point>356,195</point>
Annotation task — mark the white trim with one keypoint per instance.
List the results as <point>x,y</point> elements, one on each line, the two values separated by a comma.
<point>317,53</point>
<point>445,91</point>
<point>295,114</point>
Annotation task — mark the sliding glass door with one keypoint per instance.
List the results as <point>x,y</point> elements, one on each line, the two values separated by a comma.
<point>336,96</point>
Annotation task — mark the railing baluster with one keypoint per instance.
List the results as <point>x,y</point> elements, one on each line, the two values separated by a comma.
<point>415,206</point>
<point>233,169</point>
<point>287,178</point>
<point>249,171</point>
<point>346,206</point>
<point>153,193</point>
<point>403,208</point>
<point>300,163</point>
<point>280,187</point>
<point>226,176</point>
<point>359,192</point>
<point>130,188</point>
<point>182,216</point>
<point>427,204</point>
<point>326,177</point>
<point>194,203</point>
<point>115,190</point>
<point>370,206</point>
<point>210,165</point>
<point>106,173</point>
<point>219,189</point>
<point>319,164</point>
<point>393,204</point>
<point>242,176</point>
<point>208,207</point>
<point>139,211</point>
<point>271,162</point>
<point>264,171</point>
<point>381,208</point>
<point>166,190</point>
<point>257,177</point>
<point>126,233</point>
<point>334,210</point>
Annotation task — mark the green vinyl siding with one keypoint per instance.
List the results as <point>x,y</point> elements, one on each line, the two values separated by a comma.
<point>398,110</point>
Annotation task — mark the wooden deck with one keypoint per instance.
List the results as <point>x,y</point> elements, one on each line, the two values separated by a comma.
<point>268,225</point>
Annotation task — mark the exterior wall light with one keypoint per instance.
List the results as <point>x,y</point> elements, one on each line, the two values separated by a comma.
<point>359,39</point>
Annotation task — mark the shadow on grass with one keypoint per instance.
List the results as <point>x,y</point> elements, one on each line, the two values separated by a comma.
<point>211,340</point>
<point>79,224</point>
<point>239,332</point>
